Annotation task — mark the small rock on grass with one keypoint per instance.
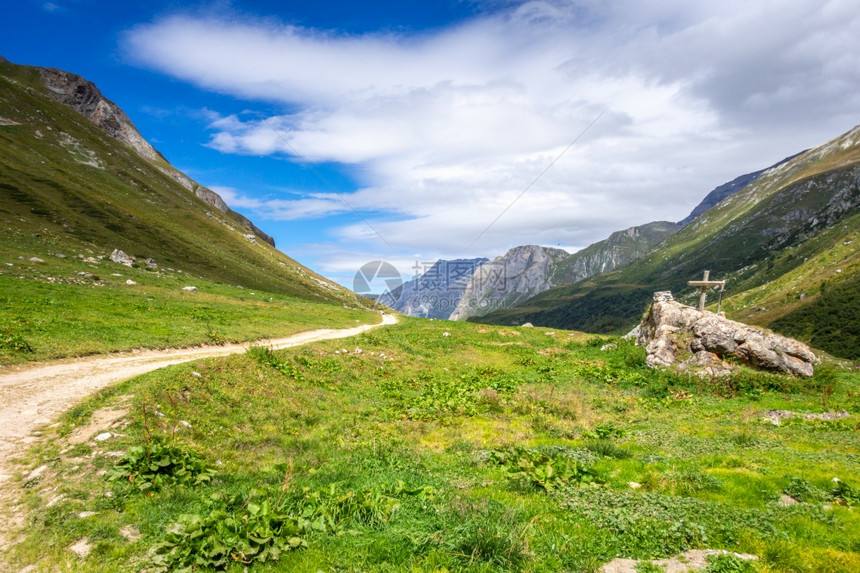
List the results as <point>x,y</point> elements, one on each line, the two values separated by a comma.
<point>81,548</point>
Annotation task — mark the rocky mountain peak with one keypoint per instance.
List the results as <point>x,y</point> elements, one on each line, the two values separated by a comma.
<point>518,275</point>
<point>84,97</point>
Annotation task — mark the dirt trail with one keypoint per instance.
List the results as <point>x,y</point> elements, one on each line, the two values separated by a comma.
<point>30,398</point>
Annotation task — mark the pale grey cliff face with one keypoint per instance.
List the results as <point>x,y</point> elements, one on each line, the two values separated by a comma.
<point>84,97</point>
<point>506,281</point>
<point>619,249</point>
<point>436,293</point>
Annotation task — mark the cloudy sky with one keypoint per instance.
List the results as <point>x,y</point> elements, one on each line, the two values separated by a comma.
<point>356,131</point>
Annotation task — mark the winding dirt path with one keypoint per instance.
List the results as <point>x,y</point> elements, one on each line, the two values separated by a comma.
<point>33,397</point>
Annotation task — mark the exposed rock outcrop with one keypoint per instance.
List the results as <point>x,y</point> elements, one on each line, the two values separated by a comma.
<point>506,281</point>
<point>619,249</point>
<point>677,335</point>
<point>436,293</point>
<point>85,98</point>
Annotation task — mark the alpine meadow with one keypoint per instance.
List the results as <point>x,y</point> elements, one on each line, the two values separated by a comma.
<point>181,395</point>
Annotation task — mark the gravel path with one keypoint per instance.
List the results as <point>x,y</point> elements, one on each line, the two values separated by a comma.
<point>32,397</point>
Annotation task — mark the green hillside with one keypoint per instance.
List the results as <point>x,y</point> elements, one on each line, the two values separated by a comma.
<point>775,242</point>
<point>70,194</point>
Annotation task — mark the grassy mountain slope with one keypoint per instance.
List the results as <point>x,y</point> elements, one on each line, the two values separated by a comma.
<point>80,190</point>
<point>775,242</point>
<point>70,194</point>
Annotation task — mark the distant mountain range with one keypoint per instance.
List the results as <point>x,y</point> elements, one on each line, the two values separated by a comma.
<point>436,292</point>
<point>76,176</point>
<point>785,239</point>
<point>786,243</point>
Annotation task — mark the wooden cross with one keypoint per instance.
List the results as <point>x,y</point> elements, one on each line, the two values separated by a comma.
<point>703,285</point>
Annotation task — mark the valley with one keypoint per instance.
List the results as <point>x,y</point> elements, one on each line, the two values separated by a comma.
<point>176,407</point>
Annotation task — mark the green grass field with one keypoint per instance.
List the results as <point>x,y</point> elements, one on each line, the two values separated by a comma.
<point>66,307</point>
<point>489,449</point>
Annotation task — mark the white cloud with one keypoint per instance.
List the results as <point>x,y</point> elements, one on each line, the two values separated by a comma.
<point>449,126</point>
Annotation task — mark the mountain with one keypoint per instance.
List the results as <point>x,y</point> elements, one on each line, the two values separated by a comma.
<point>436,292</point>
<point>619,249</point>
<point>524,272</point>
<point>726,189</point>
<point>518,275</point>
<point>76,176</point>
<point>787,245</point>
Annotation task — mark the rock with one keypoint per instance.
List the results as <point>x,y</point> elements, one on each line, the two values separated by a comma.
<point>85,514</point>
<point>130,533</point>
<point>36,473</point>
<point>103,436</point>
<point>130,282</point>
<point>82,548</point>
<point>787,501</point>
<point>150,263</point>
<point>190,288</point>
<point>527,325</point>
<point>663,296</point>
<point>504,282</point>
<point>677,334</point>
<point>121,258</point>
<point>446,334</point>
<point>36,260</point>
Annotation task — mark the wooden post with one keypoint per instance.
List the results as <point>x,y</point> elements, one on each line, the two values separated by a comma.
<point>703,285</point>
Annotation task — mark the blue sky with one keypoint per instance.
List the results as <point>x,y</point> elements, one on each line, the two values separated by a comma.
<point>357,131</point>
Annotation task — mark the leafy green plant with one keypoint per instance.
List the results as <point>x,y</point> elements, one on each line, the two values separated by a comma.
<point>648,567</point>
<point>157,464</point>
<point>802,490</point>
<point>444,397</point>
<point>253,533</point>
<point>266,356</point>
<point>728,563</point>
<point>604,431</point>
<point>845,494</point>
<point>329,509</point>
<point>543,470</point>
<point>11,340</point>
